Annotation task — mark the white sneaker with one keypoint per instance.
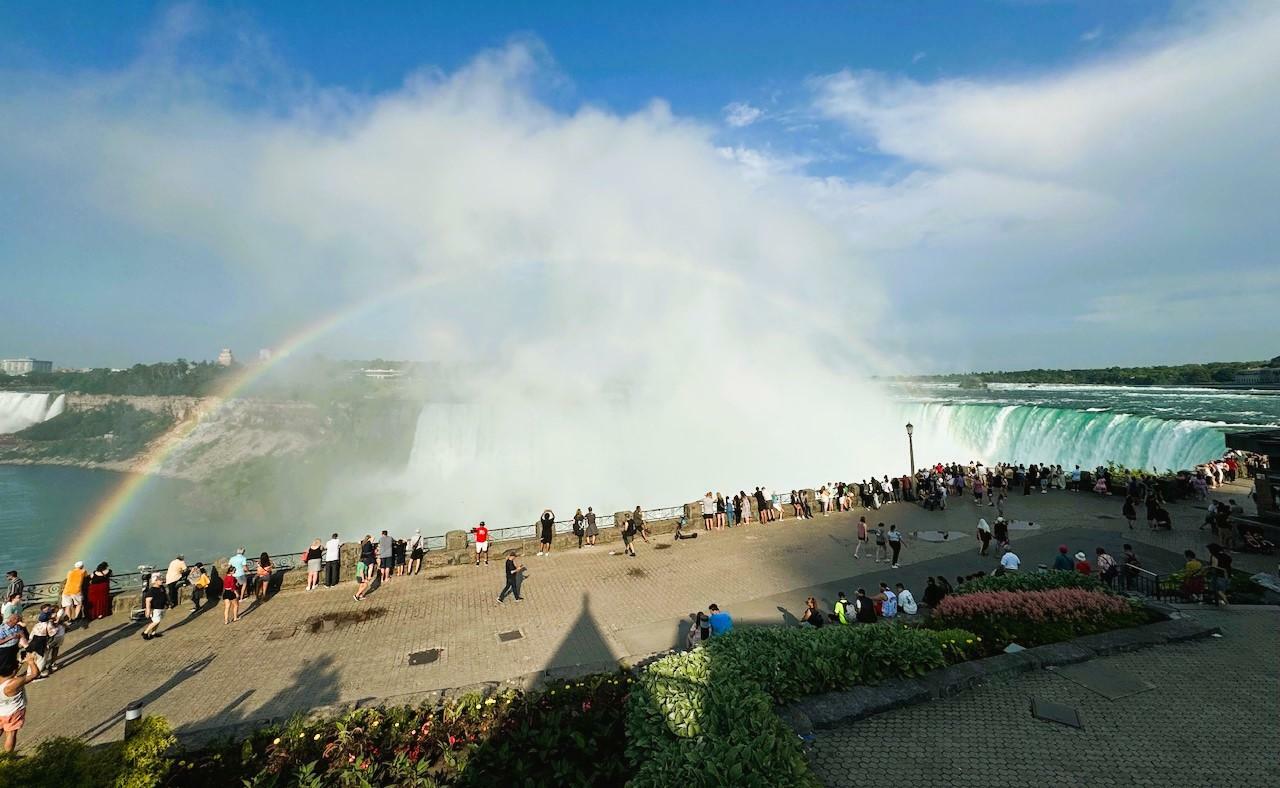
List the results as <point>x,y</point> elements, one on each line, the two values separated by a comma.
<point>539,552</point>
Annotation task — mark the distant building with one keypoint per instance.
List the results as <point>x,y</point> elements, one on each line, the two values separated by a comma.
<point>264,354</point>
<point>23,366</point>
<point>1261,376</point>
<point>382,374</point>
<point>225,358</point>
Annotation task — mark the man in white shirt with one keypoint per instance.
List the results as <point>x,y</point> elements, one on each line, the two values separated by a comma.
<point>174,576</point>
<point>1010,561</point>
<point>332,560</point>
<point>906,602</point>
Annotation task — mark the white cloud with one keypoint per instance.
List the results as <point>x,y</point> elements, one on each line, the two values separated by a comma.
<point>1037,192</point>
<point>641,307</point>
<point>1091,35</point>
<point>739,114</point>
<point>918,56</point>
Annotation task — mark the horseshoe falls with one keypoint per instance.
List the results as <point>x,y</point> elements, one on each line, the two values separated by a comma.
<point>1161,428</point>
<point>1034,433</point>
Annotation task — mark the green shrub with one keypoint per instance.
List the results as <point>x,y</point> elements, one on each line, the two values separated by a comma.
<point>706,717</point>
<point>139,762</point>
<point>1031,581</point>
<point>959,645</point>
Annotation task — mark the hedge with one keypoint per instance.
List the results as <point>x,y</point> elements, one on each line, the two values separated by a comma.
<point>1030,581</point>
<point>707,717</point>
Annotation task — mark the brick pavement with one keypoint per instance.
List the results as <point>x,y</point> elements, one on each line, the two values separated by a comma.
<point>584,609</point>
<point>1210,721</point>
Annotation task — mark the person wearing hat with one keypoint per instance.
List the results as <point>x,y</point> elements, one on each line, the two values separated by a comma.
<point>416,552</point>
<point>1082,564</point>
<point>1062,561</point>
<point>73,593</point>
<point>173,576</point>
<point>154,601</point>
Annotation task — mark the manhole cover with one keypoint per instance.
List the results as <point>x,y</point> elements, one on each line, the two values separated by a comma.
<point>425,657</point>
<point>506,637</point>
<point>1108,682</point>
<point>281,634</point>
<point>1055,712</point>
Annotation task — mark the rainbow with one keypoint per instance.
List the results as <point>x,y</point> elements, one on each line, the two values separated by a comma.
<point>115,504</point>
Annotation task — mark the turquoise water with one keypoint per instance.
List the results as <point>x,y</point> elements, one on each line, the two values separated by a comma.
<point>41,507</point>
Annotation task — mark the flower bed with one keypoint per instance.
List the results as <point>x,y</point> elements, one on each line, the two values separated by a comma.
<point>1033,618</point>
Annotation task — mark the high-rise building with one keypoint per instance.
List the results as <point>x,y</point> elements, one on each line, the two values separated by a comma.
<point>225,358</point>
<point>22,366</point>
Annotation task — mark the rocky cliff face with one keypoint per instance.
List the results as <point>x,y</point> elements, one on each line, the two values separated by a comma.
<point>210,435</point>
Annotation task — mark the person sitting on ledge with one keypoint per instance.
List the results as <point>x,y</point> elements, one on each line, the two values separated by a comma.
<point>1082,564</point>
<point>721,622</point>
<point>1062,561</point>
<point>812,615</point>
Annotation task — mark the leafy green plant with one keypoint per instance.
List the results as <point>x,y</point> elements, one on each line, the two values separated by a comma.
<point>1030,581</point>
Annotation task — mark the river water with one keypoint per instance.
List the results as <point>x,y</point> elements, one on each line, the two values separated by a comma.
<point>1161,427</point>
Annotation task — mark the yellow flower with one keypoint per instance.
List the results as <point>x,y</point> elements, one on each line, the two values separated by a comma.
<point>490,702</point>
<point>277,741</point>
<point>968,641</point>
<point>477,707</point>
<point>553,692</point>
<point>316,737</point>
<point>567,686</point>
<point>373,724</point>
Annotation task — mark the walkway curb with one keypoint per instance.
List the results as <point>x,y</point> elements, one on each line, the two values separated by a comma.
<point>832,709</point>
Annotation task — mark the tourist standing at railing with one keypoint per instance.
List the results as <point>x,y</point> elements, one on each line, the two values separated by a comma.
<point>547,524</point>
<point>742,507</point>
<point>15,584</point>
<point>481,532</point>
<point>592,529</point>
<point>199,580</point>
<point>173,576</point>
<point>579,529</point>
<point>417,549</point>
<point>332,560</point>
<point>386,558</point>
<point>100,592</point>
<point>720,518</point>
<point>708,511</point>
<point>641,528</point>
<point>239,568</point>
<point>262,580</point>
<point>73,593</point>
<point>314,558</point>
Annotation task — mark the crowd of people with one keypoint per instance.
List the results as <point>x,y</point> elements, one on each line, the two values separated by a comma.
<point>86,596</point>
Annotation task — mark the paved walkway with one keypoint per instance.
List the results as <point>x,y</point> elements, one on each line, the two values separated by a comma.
<point>1209,721</point>
<point>584,609</point>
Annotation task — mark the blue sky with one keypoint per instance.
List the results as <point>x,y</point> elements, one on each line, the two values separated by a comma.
<point>180,177</point>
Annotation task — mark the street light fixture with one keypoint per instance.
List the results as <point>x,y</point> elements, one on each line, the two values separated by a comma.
<point>911,448</point>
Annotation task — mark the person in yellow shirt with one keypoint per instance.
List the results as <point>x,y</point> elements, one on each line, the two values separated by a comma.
<point>73,592</point>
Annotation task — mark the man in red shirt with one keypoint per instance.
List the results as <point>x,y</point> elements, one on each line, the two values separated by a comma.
<point>482,542</point>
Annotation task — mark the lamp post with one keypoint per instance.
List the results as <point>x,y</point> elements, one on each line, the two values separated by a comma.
<point>911,448</point>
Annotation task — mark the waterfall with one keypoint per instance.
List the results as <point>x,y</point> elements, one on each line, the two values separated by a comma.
<point>21,409</point>
<point>1035,433</point>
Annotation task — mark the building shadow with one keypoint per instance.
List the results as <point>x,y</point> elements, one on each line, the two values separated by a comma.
<point>315,683</point>
<point>582,651</point>
<point>187,671</point>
